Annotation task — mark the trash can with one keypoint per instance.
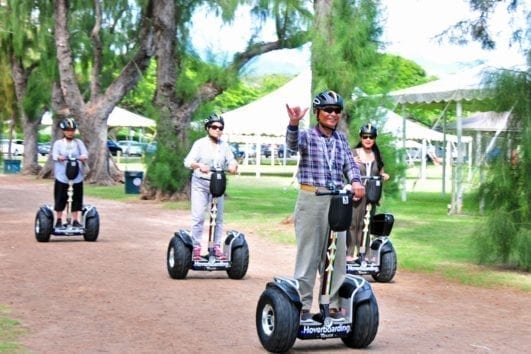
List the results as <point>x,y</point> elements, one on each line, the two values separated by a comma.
<point>133,180</point>
<point>11,166</point>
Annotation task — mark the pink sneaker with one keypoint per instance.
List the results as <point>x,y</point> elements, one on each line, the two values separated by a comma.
<point>196,253</point>
<point>219,253</point>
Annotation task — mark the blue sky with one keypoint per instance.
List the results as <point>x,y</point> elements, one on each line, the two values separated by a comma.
<point>410,26</point>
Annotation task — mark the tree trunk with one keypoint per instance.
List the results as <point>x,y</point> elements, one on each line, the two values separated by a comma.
<point>92,116</point>
<point>176,112</point>
<point>30,165</point>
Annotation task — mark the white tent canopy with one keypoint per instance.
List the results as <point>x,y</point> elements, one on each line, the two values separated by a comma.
<point>394,124</point>
<point>486,122</point>
<point>265,120</point>
<point>267,117</point>
<point>119,117</point>
<point>466,85</point>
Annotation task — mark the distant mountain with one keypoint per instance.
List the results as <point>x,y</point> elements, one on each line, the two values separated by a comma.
<point>287,61</point>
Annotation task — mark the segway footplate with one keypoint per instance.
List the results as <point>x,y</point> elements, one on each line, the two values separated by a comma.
<point>68,230</point>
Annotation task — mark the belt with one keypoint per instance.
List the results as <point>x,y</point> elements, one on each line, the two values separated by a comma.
<point>308,188</point>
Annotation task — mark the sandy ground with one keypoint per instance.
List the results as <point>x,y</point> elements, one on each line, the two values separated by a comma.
<point>115,295</point>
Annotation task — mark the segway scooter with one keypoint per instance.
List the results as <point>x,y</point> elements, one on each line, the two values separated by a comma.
<point>90,220</point>
<point>377,255</point>
<point>278,314</point>
<point>179,254</point>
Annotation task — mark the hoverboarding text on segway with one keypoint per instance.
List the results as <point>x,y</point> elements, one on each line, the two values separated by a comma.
<point>90,221</point>
<point>278,313</point>
<point>377,255</point>
<point>179,254</point>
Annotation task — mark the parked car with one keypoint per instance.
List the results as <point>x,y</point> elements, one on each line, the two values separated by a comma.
<point>249,150</point>
<point>265,150</point>
<point>44,148</point>
<point>151,148</point>
<point>131,147</point>
<point>238,154</point>
<point>289,152</point>
<point>114,148</point>
<point>17,147</point>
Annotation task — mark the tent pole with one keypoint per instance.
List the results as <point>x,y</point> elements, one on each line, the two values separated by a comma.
<point>258,157</point>
<point>469,145</point>
<point>459,170</point>
<point>423,153</point>
<point>444,156</point>
<point>404,182</point>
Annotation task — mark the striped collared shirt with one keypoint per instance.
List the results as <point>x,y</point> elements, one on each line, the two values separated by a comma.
<point>322,159</point>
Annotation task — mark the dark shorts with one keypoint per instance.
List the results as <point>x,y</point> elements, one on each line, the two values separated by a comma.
<point>60,193</point>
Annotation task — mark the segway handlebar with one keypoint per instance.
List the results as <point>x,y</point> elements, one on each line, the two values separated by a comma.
<point>214,169</point>
<point>377,177</point>
<point>333,190</point>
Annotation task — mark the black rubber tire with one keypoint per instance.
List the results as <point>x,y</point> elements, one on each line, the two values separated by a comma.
<point>239,262</point>
<point>92,227</point>
<point>387,267</point>
<point>364,326</point>
<point>277,321</point>
<point>178,258</point>
<point>43,226</point>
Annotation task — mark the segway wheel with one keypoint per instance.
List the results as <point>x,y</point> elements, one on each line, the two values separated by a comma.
<point>178,258</point>
<point>277,321</point>
<point>92,227</point>
<point>239,262</point>
<point>387,267</point>
<point>364,325</point>
<point>43,226</point>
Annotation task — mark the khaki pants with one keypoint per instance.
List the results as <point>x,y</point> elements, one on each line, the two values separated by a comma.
<point>311,230</point>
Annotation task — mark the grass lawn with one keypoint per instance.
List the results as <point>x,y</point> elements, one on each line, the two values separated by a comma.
<point>10,331</point>
<point>426,238</point>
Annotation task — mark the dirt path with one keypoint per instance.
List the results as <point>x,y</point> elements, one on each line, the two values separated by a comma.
<point>115,296</point>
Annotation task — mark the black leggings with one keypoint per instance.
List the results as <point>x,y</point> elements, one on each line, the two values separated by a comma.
<point>60,192</point>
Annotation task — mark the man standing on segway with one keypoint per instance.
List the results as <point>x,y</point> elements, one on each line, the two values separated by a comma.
<point>325,161</point>
<point>63,149</point>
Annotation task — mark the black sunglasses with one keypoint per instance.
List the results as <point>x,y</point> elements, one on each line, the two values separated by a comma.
<point>336,110</point>
<point>368,137</point>
<point>216,127</point>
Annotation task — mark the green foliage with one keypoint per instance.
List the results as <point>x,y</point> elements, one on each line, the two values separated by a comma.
<point>38,94</point>
<point>341,51</point>
<point>195,73</point>
<point>118,30</point>
<point>244,92</point>
<point>394,165</point>
<point>392,72</point>
<point>166,171</point>
<point>506,237</point>
<point>10,331</point>
<point>7,91</point>
<point>140,98</point>
<point>26,41</point>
